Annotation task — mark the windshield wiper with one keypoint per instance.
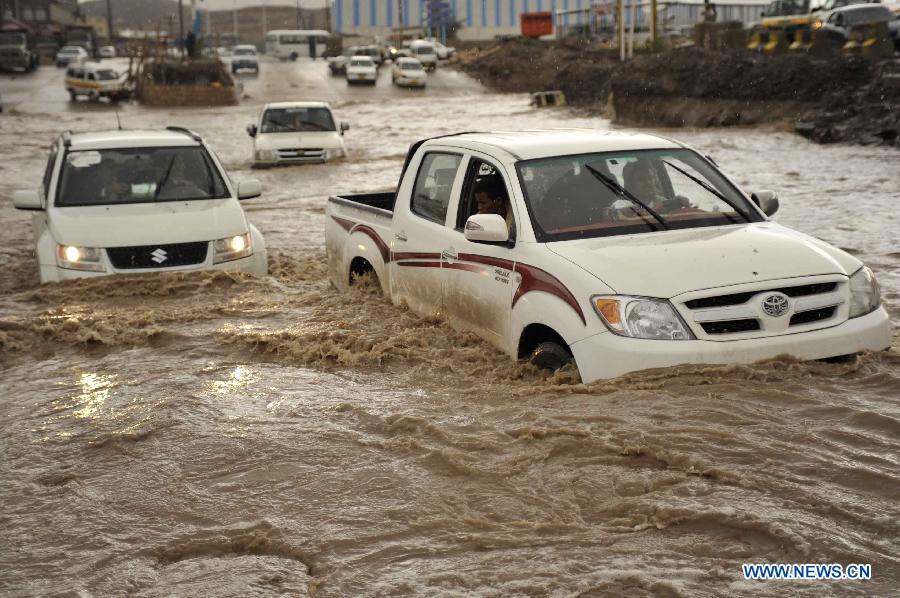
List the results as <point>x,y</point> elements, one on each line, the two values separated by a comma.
<point>712,190</point>
<point>623,192</point>
<point>165,178</point>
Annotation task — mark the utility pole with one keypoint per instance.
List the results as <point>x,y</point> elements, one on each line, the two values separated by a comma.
<point>299,16</point>
<point>181,26</point>
<point>109,21</point>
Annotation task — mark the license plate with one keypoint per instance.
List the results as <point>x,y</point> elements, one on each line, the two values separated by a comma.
<point>360,76</point>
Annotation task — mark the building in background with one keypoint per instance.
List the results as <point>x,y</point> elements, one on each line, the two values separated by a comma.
<point>40,13</point>
<point>479,19</point>
<point>249,25</point>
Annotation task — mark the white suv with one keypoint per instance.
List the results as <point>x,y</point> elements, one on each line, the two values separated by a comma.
<point>139,201</point>
<point>296,132</point>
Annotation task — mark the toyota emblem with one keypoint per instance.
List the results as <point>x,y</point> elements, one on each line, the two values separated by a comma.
<point>775,305</point>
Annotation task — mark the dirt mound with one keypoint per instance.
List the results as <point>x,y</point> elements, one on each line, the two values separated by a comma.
<point>844,98</point>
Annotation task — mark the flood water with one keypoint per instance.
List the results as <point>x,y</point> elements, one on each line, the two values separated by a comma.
<point>218,434</point>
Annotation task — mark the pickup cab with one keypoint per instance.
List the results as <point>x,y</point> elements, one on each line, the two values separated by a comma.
<point>619,251</point>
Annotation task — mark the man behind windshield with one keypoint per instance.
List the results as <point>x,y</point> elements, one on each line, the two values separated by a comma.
<point>287,120</point>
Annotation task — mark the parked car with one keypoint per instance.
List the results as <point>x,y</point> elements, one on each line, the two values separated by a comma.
<point>408,72</point>
<point>139,201</point>
<point>424,52</point>
<point>443,52</point>
<point>338,64</point>
<point>838,22</point>
<point>95,80</point>
<point>69,54</point>
<point>362,69</point>
<point>295,132</point>
<point>618,250</point>
<point>18,49</point>
<point>244,57</point>
<point>107,52</point>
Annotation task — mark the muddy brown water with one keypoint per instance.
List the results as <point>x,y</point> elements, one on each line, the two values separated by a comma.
<point>215,434</point>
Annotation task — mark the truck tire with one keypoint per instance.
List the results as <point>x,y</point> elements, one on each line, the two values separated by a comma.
<point>72,95</point>
<point>93,97</point>
<point>550,356</point>
<point>294,56</point>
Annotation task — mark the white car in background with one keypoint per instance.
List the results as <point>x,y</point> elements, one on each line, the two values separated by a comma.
<point>424,52</point>
<point>244,57</point>
<point>408,72</point>
<point>116,202</point>
<point>107,52</point>
<point>362,69</point>
<point>69,54</point>
<point>443,52</point>
<point>296,132</point>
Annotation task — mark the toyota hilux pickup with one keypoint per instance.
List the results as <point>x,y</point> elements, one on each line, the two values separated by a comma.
<point>619,251</point>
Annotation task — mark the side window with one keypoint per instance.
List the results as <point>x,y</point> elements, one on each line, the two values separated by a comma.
<point>70,73</point>
<point>48,172</point>
<point>91,77</point>
<point>484,192</point>
<point>431,195</point>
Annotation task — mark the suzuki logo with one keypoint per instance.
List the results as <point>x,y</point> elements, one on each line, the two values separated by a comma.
<point>159,256</point>
<point>775,305</point>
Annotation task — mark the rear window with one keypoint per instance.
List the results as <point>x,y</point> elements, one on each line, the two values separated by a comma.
<point>411,66</point>
<point>138,175</point>
<point>361,62</point>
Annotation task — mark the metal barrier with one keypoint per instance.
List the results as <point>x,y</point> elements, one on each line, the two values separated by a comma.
<point>543,99</point>
<point>871,40</point>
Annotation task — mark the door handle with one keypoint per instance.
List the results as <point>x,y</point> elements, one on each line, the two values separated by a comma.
<point>450,254</point>
<point>400,236</point>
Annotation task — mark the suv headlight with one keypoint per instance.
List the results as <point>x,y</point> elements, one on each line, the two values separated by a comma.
<point>641,317</point>
<point>266,155</point>
<point>232,248</point>
<point>72,257</point>
<point>333,154</point>
<point>865,296</point>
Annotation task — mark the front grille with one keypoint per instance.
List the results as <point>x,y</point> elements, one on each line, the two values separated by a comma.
<point>738,298</point>
<point>301,153</point>
<point>813,315</point>
<point>730,326</point>
<point>158,256</point>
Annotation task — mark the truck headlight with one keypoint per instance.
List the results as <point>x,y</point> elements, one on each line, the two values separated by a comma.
<point>232,248</point>
<point>334,154</point>
<point>72,257</point>
<point>266,155</point>
<point>641,317</point>
<point>865,296</point>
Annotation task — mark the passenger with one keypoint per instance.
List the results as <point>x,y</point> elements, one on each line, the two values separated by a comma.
<point>115,187</point>
<point>491,198</point>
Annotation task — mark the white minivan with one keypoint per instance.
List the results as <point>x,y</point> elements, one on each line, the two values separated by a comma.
<point>295,132</point>
<point>139,201</point>
<point>424,52</point>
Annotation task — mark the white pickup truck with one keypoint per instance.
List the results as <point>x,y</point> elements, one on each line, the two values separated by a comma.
<point>623,251</point>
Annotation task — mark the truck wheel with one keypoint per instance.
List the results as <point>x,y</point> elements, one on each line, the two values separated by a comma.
<point>93,97</point>
<point>294,56</point>
<point>72,95</point>
<point>550,355</point>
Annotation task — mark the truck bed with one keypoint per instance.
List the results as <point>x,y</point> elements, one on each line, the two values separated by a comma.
<point>376,202</point>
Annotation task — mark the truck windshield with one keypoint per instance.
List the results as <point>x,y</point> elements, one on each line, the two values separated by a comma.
<point>296,120</point>
<point>138,175</point>
<point>595,195</point>
<point>783,8</point>
<point>12,39</point>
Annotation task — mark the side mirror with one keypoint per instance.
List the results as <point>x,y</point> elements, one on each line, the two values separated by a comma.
<point>489,228</point>
<point>28,200</point>
<point>766,200</point>
<point>249,188</point>
<point>345,126</point>
<point>251,130</point>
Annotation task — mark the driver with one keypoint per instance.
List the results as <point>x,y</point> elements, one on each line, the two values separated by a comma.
<point>642,180</point>
<point>491,198</point>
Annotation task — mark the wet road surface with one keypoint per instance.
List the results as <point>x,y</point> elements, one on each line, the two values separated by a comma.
<point>218,434</point>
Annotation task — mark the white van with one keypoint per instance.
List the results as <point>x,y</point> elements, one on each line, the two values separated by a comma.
<point>291,44</point>
<point>424,52</point>
<point>296,132</point>
<point>96,80</point>
<point>139,201</point>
